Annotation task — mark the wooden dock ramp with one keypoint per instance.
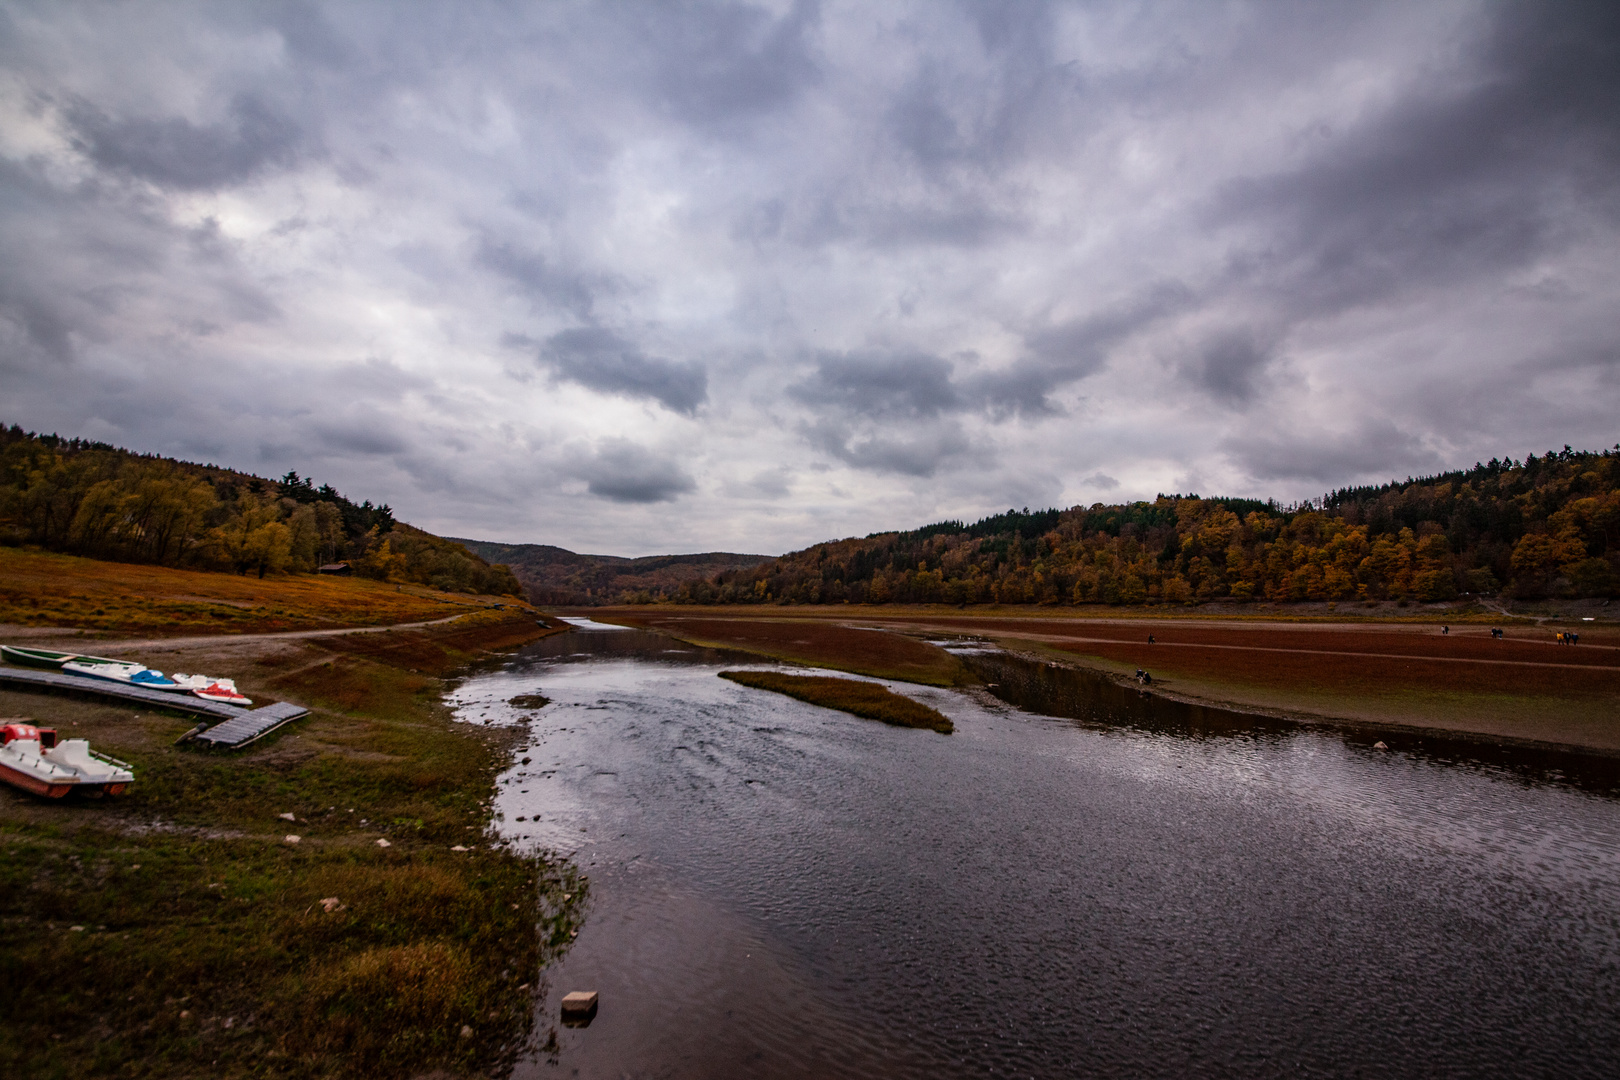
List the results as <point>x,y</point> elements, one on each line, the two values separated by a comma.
<point>238,726</point>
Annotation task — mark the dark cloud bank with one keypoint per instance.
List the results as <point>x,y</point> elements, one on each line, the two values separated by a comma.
<point>632,277</point>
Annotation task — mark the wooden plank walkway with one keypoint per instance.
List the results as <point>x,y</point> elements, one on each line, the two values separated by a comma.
<point>82,684</point>
<point>252,725</point>
<point>240,727</point>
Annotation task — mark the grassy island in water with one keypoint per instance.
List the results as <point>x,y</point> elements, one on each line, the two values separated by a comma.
<point>864,699</point>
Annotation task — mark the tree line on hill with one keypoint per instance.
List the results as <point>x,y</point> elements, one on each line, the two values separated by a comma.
<point>553,575</point>
<point>91,498</point>
<point>1543,527</point>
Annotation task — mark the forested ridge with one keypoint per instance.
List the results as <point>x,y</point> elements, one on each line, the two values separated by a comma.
<point>553,575</point>
<point>91,498</point>
<point>1546,526</point>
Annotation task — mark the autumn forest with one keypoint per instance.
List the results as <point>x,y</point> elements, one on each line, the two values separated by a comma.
<point>1543,527</point>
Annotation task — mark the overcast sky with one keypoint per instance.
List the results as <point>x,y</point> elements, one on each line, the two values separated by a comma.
<point>645,278</point>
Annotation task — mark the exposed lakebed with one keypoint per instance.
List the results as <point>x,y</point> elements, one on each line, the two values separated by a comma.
<point>781,890</point>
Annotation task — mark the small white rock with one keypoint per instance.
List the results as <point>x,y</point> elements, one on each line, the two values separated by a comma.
<point>1380,745</point>
<point>383,843</point>
<point>460,847</point>
<point>286,817</point>
<point>292,838</point>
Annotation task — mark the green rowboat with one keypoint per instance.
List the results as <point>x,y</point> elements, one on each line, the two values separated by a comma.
<point>47,658</point>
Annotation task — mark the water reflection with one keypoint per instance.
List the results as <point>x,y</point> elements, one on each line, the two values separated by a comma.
<point>779,890</point>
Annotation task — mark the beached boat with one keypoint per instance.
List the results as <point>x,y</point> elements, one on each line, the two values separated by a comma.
<point>117,671</point>
<point>96,771</point>
<point>212,689</point>
<point>23,763</point>
<point>47,658</point>
<point>32,759</point>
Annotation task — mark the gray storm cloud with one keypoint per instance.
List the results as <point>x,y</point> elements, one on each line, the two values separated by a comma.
<point>601,360</point>
<point>794,270</point>
<point>174,152</point>
<point>625,472</point>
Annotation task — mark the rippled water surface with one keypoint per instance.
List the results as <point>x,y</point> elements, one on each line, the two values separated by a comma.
<point>781,890</point>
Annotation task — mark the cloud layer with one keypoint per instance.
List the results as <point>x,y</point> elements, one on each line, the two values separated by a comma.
<point>647,277</point>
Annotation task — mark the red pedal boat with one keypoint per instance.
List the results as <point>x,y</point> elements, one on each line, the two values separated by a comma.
<point>32,759</point>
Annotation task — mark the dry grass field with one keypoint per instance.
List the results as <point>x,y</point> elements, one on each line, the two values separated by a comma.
<point>40,589</point>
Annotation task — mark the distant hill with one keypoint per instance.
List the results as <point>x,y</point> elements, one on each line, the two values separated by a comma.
<point>94,499</point>
<point>1543,527</point>
<point>553,575</point>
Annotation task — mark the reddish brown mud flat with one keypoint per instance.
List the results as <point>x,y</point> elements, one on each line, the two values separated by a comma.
<point>819,641</point>
<point>1522,686</point>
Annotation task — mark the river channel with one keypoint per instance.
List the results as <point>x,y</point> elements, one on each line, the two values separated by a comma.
<point>1128,888</point>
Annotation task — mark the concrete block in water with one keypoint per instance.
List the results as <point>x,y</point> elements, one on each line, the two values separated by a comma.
<point>579,1006</point>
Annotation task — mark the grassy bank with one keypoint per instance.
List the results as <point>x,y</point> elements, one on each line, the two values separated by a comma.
<point>864,699</point>
<point>177,930</point>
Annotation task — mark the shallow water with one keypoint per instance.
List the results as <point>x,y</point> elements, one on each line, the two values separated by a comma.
<point>782,890</point>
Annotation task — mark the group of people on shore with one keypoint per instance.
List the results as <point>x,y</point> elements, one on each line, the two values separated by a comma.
<point>1564,637</point>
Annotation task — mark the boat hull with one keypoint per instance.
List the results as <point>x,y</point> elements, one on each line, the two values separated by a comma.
<point>118,673</point>
<point>35,658</point>
<point>47,658</point>
<point>51,789</point>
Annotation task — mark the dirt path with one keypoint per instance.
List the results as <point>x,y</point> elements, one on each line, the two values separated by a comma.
<point>279,635</point>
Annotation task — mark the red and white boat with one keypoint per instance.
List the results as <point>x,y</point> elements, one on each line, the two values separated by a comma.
<point>32,759</point>
<point>212,689</point>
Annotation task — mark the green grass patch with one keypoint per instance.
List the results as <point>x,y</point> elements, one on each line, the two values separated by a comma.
<point>864,699</point>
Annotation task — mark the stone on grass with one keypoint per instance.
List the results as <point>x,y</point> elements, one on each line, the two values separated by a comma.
<point>287,817</point>
<point>292,838</point>
<point>383,843</point>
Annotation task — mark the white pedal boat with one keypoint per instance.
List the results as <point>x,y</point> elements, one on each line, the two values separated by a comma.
<point>129,674</point>
<point>33,760</point>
